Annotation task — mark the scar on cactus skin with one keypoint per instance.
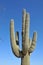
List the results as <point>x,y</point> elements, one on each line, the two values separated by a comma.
<point>28,45</point>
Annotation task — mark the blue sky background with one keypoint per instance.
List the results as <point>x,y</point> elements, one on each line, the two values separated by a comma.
<point>13,9</point>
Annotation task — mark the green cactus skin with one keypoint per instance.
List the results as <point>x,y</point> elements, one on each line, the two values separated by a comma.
<point>28,45</point>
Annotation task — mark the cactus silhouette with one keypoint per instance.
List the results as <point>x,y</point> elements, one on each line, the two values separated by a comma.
<point>28,45</point>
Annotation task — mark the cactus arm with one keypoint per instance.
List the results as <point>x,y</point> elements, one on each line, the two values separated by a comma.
<point>17,38</point>
<point>27,25</point>
<point>33,42</point>
<point>23,30</point>
<point>14,46</point>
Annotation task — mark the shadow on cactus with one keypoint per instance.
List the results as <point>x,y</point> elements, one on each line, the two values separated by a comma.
<point>28,45</point>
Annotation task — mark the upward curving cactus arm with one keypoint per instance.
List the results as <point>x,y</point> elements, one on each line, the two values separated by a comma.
<point>15,47</point>
<point>33,42</point>
<point>17,38</point>
<point>25,31</point>
<point>27,25</point>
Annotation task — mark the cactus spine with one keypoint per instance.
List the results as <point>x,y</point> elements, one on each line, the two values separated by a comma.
<point>27,45</point>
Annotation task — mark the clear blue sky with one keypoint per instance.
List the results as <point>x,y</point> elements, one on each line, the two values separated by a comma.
<point>13,9</point>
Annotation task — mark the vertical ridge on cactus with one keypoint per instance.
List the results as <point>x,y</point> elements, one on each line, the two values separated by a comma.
<point>28,45</point>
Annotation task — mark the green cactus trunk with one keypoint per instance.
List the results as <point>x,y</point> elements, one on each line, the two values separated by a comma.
<point>25,60</point>
<point>27,45</point>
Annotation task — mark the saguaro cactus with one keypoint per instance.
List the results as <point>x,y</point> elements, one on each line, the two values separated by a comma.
<point>27,45</point>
